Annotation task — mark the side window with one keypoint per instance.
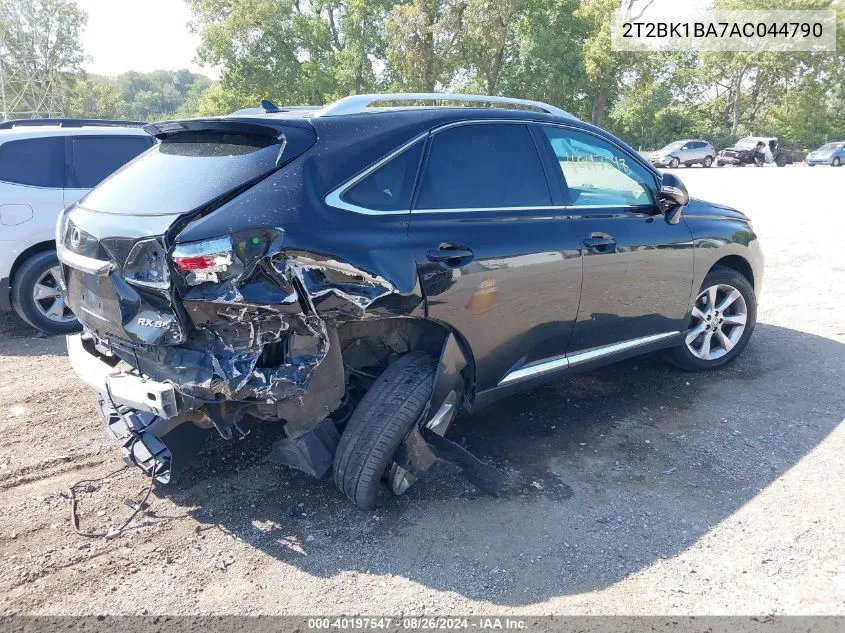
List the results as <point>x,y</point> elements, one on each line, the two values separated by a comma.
<point>95,157</point>
<point>38,162</point>
<point>597,173</point>
<point>390,187</point>
<point>483,166</point>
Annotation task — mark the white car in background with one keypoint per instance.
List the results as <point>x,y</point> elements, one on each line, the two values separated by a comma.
<point>45,166</point>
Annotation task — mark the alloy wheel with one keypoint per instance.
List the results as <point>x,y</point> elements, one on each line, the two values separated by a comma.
<point>719,316</point>
<point>48,295</point>
<point>836,162</point>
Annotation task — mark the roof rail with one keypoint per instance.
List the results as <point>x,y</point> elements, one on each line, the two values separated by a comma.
<point>356,104</point>
<point>8,125</point>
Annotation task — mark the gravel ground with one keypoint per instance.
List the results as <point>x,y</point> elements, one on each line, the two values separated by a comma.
<point>642,489</point>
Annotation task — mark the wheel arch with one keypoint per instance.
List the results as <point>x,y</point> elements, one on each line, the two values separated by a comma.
<point>35,249</point>
<point>737,263</point>
<point>363,342</point>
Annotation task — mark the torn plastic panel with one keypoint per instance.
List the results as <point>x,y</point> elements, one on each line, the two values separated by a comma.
<point>259,327</point>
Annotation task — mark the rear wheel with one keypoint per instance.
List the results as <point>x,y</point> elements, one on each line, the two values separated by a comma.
<point>708,160</point>
<point>382,419</point>
<point>38,295</point>
<point>722,320</point>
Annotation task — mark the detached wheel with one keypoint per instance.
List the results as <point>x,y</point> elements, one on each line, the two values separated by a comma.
<point>674,163</point>
<point>38,295</point>
<point>383,418</point>
<point>708,160</point>
<point>722,320</point>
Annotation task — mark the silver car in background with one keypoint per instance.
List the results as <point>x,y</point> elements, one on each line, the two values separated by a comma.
<point>687,152</point>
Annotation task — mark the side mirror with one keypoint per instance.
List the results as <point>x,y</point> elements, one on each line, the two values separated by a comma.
<point>673,197</point>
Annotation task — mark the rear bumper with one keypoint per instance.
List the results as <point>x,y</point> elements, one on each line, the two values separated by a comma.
<point>121,387</point>
<point>5,295</point>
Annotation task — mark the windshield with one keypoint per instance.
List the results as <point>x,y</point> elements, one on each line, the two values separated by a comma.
<point>749,142</point>
<point>675,145</point>
<point>829,147</point>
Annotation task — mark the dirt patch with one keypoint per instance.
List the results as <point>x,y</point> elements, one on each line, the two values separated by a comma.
<point>635,489</point>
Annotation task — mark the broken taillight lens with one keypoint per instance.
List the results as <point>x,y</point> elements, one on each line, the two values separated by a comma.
<point>224,258</point>
<point>146,264</point>
<point>199,262</point>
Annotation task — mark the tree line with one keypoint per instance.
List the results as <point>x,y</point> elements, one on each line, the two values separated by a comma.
<point>558,51</point>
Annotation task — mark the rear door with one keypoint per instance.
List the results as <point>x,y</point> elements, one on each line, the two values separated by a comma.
<point>31,177</point>
<point>497,256</point>
<point>637,268</point>
<point>92,158</point>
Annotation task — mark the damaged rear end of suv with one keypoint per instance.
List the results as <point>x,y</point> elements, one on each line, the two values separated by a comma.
<point>216,289</point>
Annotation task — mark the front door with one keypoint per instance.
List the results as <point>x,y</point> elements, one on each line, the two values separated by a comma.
<point>498,258</point>
<point>638,269</point>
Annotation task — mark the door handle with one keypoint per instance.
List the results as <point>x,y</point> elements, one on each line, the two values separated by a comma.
<point>451,255</point>
<point>600,242</point>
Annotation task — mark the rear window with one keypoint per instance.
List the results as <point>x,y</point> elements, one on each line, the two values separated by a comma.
<point>38,162</point>
<point>185,171</point>
<point>93,158</point>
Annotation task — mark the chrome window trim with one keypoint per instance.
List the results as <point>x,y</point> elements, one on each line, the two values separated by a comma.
<point>569,360</point>
<point>334,197</point>
<point>550,207</point>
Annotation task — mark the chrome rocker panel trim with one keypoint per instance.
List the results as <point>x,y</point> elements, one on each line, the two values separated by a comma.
<point>577,358</point>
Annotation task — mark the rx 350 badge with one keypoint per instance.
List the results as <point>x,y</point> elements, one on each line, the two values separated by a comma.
<point>154,323</point>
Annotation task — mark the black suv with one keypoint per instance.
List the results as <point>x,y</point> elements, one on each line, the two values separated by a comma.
<point>360,275</point>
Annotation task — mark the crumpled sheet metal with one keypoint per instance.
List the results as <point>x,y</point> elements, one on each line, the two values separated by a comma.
<point>286,294</point>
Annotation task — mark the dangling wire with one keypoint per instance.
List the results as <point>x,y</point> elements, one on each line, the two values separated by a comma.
<point>112,532</point>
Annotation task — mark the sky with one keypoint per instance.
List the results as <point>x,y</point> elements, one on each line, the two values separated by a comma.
<point>140,35</point>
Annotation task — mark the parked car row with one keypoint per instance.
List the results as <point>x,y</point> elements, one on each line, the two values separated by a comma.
<point>751,150</point>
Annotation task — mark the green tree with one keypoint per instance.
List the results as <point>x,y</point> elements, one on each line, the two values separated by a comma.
<point>292,52</point>
<point>147,96</point>
<point>422,44</point>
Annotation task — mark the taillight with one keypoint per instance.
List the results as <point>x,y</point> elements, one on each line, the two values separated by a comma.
<point>224,258</point>
<point>200,262</point>
<point>146,264</point>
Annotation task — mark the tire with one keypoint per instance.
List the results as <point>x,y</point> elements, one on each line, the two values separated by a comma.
<point>41,271</point>
<point>835,162</point>
<point>780,161</point>
<point>689,355</point>
<point>708,160</point>
<point>674,163</point>
<point>378,425</point>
